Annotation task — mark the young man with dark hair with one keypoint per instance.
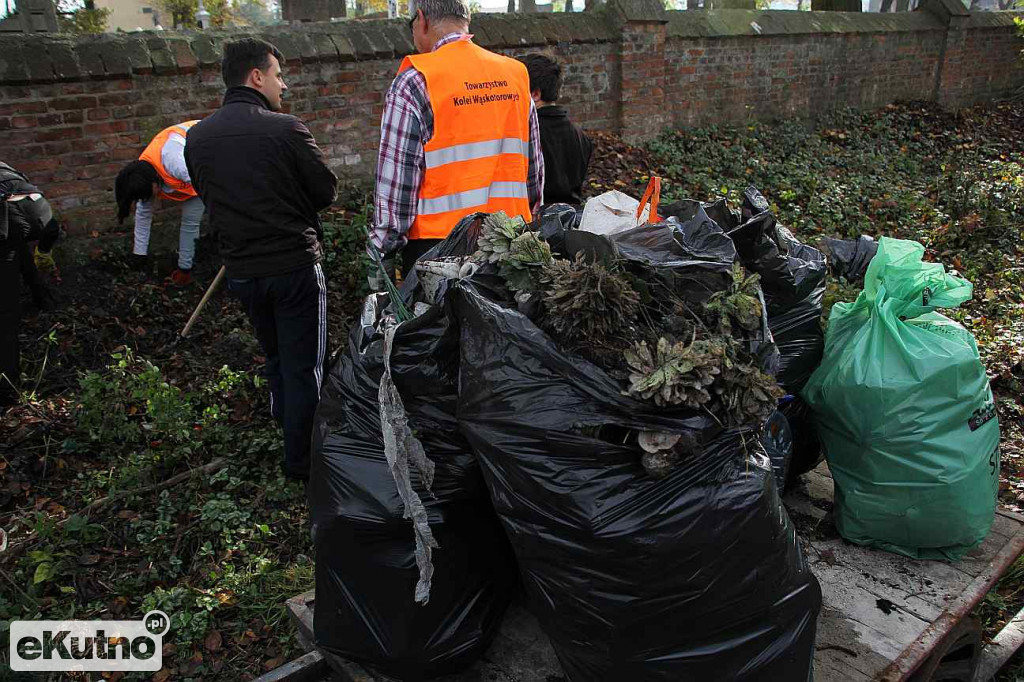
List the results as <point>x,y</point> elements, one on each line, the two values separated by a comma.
<point>263,180</point>
<point>567,149</point>
<point>160,174</point>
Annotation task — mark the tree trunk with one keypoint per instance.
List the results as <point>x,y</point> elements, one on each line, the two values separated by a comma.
<point>592,4</point>
<point>527,5</point>
<point>511,6</point>
<point>568,6</point>
<point>886,6</point>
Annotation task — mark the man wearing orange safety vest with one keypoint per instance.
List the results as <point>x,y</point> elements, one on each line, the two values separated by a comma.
<point>160,174</point>
<point>459,135</point>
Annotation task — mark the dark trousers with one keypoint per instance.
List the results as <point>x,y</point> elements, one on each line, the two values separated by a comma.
<point>289,314</point>
<point>10,321</point>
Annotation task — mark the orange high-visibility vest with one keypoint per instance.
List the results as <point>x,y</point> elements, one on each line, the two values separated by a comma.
<point>479,154</point>
<point>180,190</point>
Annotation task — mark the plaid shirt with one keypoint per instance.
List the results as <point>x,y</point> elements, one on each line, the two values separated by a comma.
<point>406,126</point>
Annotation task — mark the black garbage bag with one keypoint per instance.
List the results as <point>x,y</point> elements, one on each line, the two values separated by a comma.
<point>807,449</point>
<point>366,561</point>
<point>849,258</point>
<point>777,439</point>
<point>693,577</point>
<point>793,278</point>
<point>555,220</point>
<point>692,258</point>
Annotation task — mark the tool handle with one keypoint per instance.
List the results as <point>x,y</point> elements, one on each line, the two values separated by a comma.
<point>206,297</point>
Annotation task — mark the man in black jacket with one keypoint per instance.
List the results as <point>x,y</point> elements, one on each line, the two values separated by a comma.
<point>566,148</point>
<point>25,216</point>
<point>263,180</point>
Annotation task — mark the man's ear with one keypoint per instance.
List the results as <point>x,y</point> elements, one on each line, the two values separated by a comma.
<point>255,78</point>
<point>535,94</point>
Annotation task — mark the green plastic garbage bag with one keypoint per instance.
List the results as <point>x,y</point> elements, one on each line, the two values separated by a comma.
<point>906,413</point>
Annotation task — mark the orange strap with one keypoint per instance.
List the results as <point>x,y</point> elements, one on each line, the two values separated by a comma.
<point>652,196</point>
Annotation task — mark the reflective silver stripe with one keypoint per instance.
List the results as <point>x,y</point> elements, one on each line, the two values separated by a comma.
<point>473,197</point>
<point>476,150</point>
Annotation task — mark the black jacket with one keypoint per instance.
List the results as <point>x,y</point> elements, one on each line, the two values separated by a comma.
<point>23,221</point>
<point>263,180</point>
<point>567,153</point>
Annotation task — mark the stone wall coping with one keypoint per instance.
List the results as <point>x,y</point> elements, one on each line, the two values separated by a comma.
<point>40,58</point>
<point>994,19</point>
<point>741,22</point>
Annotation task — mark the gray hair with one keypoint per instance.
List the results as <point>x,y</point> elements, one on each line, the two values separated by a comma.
<point>444,10</point>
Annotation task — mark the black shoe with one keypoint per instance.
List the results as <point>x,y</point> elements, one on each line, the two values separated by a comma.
<point>138,263</point>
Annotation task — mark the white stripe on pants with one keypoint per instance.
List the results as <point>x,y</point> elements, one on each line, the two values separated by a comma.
<point>321,341</point>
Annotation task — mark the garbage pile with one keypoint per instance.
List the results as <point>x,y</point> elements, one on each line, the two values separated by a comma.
<point>586,410</point>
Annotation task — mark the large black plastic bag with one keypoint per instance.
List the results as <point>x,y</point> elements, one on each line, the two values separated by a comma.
<point>849,258</point>
<point>793,278</point>
<point>692,257</point>
<point>366,570</point>
<point>697,576</point>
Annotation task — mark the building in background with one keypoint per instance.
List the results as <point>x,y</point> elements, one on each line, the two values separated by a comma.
<point>130,15</point>
<point>28,16</point>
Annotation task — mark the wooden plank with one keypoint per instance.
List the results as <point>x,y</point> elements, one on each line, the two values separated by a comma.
<point>958,608</point>
<point>1004,525</point>
<point>1003,646</point>
<point>921,587</point>
<point>828,670</point>
<point>979,559</point>
<point>310,667</point>
<point>300,608</point>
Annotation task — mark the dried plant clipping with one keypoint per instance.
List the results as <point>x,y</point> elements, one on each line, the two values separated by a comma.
<point>739,304</point>
<point>497,232</point>
<point>589,308</point>
<point>675,374</point>
<point>523,263</point>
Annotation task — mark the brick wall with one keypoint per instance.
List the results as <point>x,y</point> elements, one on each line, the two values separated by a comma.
<point>72,111</point>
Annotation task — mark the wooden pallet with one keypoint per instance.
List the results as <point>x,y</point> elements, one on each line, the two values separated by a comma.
<point>883,615</point>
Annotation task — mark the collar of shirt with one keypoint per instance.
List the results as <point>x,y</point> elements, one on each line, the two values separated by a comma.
<point>451,38</point>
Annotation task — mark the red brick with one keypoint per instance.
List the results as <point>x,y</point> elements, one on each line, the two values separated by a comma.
<point>101,114</point>
<point>108,170</point>
<point>66,103</point>
<point>55,134</point>
<point>109,127</point>
<point>24,121</point>
<point>84,159</point>
<point>37,107</point>
<point>38,164</point>
<point>116,99</point>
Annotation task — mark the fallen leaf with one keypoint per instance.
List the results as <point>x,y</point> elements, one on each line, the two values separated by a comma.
<point>162,675</point>
<point>88,559</point>
<point>213,641</point>
<point>273,663</point>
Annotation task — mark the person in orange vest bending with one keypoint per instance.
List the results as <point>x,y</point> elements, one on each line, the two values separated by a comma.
<point>459,134</point>
<point>160,174</point>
